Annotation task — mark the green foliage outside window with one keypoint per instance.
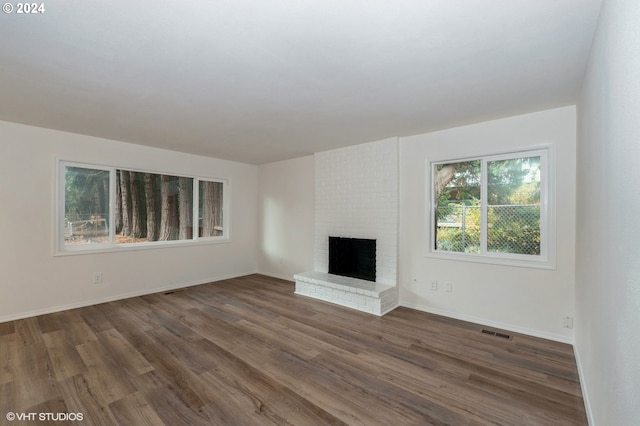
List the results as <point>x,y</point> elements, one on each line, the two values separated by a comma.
<point>512,206</point>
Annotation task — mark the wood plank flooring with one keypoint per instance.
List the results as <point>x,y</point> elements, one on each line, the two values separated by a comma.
<point>247,351</point>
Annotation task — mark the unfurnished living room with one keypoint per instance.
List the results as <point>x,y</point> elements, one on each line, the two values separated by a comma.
<point>320,212</point>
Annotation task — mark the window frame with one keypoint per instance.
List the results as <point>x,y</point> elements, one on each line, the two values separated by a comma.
<point>546,259</point>
<point>60,248</point>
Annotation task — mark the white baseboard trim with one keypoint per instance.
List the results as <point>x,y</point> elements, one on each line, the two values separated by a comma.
<point>489,323</point>
<point>84,303</point>
<point>583,386</point>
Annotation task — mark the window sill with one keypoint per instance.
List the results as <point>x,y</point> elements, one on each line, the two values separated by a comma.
<point>108,248</point>
<point>493,260</point>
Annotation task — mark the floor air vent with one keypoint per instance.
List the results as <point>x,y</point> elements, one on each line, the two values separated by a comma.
<point>497,334</point>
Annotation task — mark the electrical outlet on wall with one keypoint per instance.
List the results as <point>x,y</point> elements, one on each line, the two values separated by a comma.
<point>567,322</point>
<point>449,287</point>
<point>434,285</point>
<point>97,277</point>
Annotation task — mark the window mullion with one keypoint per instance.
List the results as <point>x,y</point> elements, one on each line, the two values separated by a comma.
<point>483,207</point>
<point>113,193</point>
<point>196,209</point>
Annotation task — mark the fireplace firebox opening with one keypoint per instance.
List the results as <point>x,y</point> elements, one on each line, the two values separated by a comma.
<point>353,257</point>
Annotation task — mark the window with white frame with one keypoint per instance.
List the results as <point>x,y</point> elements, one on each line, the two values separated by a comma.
<point>492,207</point>
<point>107,207</point>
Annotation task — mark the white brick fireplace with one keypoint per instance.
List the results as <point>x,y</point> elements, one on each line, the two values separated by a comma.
<point>356,195</point>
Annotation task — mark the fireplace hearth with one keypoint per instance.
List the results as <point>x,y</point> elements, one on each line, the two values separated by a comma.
<point>351,278</point>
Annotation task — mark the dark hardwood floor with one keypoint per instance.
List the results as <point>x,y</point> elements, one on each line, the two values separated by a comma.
<point>247,351</point>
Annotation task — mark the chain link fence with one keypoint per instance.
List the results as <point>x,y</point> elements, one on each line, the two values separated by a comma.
<point>513,229</point>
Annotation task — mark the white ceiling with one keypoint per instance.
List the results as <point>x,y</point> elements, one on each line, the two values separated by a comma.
<point>258,81</point>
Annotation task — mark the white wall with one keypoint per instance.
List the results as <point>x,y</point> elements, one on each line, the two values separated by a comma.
<point>286,204</point>
<point>34,281</point>
<point>528,300</point>
<point>357,196</point>
<point>607,337</point>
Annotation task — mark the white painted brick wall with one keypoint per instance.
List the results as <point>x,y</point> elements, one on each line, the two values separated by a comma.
<point>357,196</point>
